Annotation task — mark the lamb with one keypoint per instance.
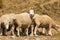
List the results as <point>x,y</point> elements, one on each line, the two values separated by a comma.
<point>6,20</point>
<point>42,20</point>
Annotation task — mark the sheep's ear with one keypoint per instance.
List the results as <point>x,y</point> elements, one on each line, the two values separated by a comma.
<point>31,12</point>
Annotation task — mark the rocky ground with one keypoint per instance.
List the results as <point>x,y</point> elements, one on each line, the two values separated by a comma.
<point>55,37</point>
<point>40,37</point>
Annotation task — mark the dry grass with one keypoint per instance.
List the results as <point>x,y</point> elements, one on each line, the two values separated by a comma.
<point>49,7</point>
<point>30,38</point>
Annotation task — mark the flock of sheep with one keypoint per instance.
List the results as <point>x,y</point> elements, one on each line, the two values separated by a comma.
<point>11,22</point>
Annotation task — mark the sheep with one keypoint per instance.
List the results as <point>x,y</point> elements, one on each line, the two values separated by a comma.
<point>43,21</point>
<point>6,20</point>
<point>25,19</point>
<point>22,19</point>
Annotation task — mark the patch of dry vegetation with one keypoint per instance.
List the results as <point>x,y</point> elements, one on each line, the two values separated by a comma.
<point>49,7</point>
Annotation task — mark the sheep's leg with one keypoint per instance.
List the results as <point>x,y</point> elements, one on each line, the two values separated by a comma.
<point>12,30</point>
<point>0,31</point>
<point>35,31</point>
<point>20,30</point>
<point>37,25</point>
<point>6,27</point>
<point>49,30</point>
<point>43,30</point>
<point>31,30</point>
<point>5,32</point>
<point>18,33</point>
<point>27,31</point>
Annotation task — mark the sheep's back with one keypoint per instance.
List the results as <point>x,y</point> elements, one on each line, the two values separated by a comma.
<point>23,18</point>
<point>45,19</point>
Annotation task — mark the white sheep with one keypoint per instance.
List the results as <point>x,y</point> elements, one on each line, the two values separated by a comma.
<point>22,19</point>
<point>6,19</point>
<point>45,20</point>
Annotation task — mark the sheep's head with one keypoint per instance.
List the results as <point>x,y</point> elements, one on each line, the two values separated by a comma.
<point>58,28</point>
<point>31,12</point>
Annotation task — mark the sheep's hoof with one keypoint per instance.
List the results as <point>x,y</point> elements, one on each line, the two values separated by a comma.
<point>17,35</point>
<point>26,34</point>
<point>43,32</point>
<point>5,35</point>
<point>36,35</point>
<point>31,35</point>
<point>49,34</point>
<point>0,34</point>
<point>12,36</point>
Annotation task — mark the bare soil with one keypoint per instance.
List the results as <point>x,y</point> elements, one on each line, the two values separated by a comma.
<point>42,37</point>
